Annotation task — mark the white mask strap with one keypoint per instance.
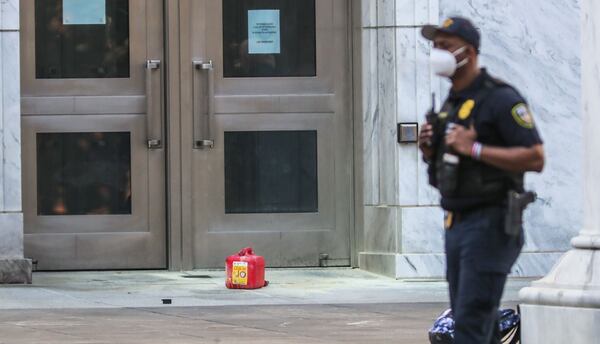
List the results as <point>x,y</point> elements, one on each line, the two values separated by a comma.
<point>462,63</point>
<point>458,52</point>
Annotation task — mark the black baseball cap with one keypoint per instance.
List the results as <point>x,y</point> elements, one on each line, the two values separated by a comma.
<point>456,26</point>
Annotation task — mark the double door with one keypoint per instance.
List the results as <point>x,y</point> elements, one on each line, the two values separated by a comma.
<point>173,133</point>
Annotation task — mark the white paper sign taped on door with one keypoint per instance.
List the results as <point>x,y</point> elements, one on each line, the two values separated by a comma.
<point>264,36</point>
<point>84,12</point>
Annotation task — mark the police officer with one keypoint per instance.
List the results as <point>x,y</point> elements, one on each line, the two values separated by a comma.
<point>477,148</point>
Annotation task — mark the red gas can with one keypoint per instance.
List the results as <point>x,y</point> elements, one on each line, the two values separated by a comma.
<point>245,270</point>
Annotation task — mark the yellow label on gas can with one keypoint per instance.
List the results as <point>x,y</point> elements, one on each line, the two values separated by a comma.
<point>239,274</point>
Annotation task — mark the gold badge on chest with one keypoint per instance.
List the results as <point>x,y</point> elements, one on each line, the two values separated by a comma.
<point>466,109</point>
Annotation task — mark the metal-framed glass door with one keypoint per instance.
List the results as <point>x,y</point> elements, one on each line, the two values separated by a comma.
<point>93,134</point>
<point>266,131</point>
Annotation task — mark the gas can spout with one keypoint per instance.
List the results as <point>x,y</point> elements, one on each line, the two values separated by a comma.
<point>246,252</point>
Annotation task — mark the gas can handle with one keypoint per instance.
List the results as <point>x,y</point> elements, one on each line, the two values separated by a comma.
<point>246,251</point>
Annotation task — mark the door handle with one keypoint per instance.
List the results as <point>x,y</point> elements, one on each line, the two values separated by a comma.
<point>205,140</point>
<point>154,106</point>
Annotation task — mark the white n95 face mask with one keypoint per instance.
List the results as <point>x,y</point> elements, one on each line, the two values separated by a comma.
<point>444,62</point>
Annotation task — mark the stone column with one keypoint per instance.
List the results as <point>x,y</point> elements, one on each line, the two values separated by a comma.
<point>564,306</point>
<point>13,267</point>
<point>403,234</point>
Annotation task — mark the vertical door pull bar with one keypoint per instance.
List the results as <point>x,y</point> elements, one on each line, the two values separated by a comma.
<point>154,110</point>
<point>206,140</point>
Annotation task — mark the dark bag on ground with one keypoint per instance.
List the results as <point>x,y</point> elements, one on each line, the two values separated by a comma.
<point>442,331</point>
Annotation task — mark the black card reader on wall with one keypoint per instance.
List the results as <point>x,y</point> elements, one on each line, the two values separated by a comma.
<point>408,132</point>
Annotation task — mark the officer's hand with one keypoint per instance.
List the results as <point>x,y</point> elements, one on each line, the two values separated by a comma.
<point>461,139</point>
<point>425,137</point>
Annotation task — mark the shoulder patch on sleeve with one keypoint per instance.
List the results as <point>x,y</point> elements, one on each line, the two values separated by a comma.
<point>522,115</point>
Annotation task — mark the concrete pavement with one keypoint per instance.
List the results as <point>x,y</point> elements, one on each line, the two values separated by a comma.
<point>356,323</point>
<point>299,306</point>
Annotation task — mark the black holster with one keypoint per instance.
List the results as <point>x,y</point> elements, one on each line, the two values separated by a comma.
<point>517,202</point>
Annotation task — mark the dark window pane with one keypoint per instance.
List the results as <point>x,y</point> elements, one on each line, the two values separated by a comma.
<point>271,172</point>
<point>83,173</point>
<point>86,42</point>
<point>269,38</point>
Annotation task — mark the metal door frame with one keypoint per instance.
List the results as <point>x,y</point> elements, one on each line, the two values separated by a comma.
<point>180,232</point>
<point>175,235</point>
<point>86,104</point>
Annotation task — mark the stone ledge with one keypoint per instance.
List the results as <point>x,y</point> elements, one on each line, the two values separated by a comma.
<point>433,265</point>
<point>15,271</point>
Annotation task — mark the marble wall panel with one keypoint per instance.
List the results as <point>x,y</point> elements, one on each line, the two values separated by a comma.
<point>427,12</point>
<point>371,117</point>
<point>428,195</point>
<point>433,265</point>
<point>368,9</point>
<point>12,120</point>
<point>379,263</point>
<point>406,69</point>
<point>415,85</point>
<point>11,236</point>
<point>422,230</point>
<point>9,15</point>
<point>388,149</point>
<point>1,175</point>
<point>404,84</point>
<point>426,84</point>
<point>591,109</point>
<point>381,229</point>
<point>415,13</point>
<point>535,45</point>
<point>405,12</point>
<point>386,13</point>
<point>420,266</point>
<point>535,263</point>
<point>1,133</point>
<point>406,112</point>
<point>408,177</point>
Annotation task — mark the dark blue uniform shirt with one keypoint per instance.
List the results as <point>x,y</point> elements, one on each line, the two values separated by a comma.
<point>502,119</point>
